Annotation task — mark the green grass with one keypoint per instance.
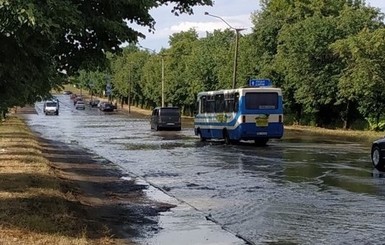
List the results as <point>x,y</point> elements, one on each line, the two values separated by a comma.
<point>33,207</point>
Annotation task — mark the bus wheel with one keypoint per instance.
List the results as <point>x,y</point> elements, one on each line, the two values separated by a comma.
<point>202,139</point>
<point>226,137</point>
<point>261,142</point>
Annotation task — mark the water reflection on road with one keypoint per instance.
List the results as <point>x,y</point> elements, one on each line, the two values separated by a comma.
<point>301,189</point>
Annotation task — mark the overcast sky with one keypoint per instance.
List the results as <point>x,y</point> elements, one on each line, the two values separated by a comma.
<point>235,12</point>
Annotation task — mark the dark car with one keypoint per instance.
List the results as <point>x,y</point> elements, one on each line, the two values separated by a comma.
<point>67,92</point>
<point>378,154</point>
<point>106,106</point>
<point>94,103</point>
<point>166,118</point>
<point>78,98</point>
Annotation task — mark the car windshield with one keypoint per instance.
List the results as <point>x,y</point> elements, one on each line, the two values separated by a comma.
<point>51,104</point>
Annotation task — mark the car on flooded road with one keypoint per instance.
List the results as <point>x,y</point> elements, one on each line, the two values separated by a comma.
<point>51,107</point>
<point>106,106</point>
<point>76,99</point>
<point>166,118</point>
<point>94,103</point>
<point>378,154</point>
<point>80,105</point>
<point>67,92</point>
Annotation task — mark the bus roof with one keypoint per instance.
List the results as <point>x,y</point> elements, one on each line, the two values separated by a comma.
<point>242,90</point>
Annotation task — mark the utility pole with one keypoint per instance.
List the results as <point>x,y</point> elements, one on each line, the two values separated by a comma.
<point>237,33</point>
<point>162,80</point>
<point>129,88</point>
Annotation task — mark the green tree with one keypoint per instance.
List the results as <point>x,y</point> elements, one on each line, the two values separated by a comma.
<point>150,82</point>
<point>44,41</point>
<point>292,40</point>
<point>305,60</point>
<point>176,81</point>
<point>363,80</point>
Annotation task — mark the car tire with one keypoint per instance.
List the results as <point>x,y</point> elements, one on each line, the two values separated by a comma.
<point>377,159</point>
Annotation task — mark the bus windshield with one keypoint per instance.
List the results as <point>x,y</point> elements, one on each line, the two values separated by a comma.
<point>260,101</point>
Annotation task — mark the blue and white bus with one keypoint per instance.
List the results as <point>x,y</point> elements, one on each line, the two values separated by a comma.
<point>252,113</point>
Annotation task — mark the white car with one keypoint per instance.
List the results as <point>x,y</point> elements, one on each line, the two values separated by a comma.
<point>51,107</point>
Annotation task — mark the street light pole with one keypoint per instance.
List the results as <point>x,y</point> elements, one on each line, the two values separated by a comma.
<point>237,33</point>
<point>129,88</point>
<point>162,80</point>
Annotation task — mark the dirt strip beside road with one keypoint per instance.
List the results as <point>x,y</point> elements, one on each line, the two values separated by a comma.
<point>109,196</point>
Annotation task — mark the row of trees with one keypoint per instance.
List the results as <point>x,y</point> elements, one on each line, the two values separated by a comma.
<point>327,56</point>
<point>42,42</point>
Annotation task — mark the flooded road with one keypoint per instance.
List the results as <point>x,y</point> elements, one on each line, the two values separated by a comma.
<point>298,190</point>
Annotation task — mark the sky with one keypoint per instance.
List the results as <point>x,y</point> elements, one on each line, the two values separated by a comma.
<point>237,13</point>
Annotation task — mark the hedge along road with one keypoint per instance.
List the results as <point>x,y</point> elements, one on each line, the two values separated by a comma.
<point>301,189</point>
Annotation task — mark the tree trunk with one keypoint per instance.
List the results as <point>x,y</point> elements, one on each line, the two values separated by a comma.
<point>346,118</point>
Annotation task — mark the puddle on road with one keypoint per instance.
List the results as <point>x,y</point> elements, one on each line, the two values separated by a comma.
<point>156,146</point>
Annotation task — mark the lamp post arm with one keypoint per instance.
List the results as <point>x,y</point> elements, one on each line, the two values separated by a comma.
<point>215,16</point>
<point>237,31</point>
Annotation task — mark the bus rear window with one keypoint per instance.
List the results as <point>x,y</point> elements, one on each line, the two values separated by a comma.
<point>261,101</point>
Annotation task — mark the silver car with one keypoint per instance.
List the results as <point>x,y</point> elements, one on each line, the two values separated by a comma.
<point>80,105</point>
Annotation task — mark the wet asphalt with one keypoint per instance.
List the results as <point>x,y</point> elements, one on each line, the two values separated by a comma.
<point>301,189</point>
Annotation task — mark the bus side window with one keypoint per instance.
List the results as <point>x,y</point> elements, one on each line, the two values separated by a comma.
<point>236,102</point>
<point>229,102</point>
<point>203,104</point>
<point>210,104</point>
<point>219,103</point>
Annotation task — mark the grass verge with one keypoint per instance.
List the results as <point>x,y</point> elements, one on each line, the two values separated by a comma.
<point>33,207</point>
<point>356,135</point>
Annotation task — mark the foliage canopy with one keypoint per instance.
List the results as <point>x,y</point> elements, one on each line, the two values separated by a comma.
<point>45,41</point>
